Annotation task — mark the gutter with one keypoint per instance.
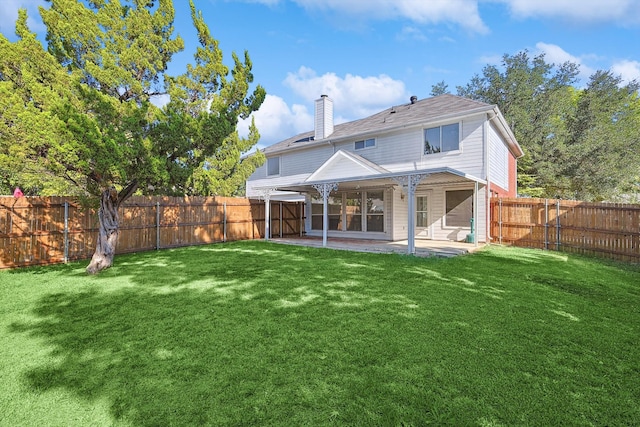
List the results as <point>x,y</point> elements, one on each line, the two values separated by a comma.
<point>496,117</point>
<point>360,135</point>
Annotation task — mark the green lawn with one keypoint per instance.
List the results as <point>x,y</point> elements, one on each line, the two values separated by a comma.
<point>256,333</point>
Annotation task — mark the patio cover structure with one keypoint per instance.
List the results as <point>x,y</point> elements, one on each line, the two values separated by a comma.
<point>347,171</point>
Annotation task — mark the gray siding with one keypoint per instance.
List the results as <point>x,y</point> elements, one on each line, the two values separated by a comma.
<point>437,206</point>
<point>305,161</point>
<point>402,151</point>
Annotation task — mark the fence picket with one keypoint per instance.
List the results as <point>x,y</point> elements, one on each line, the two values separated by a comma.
<point>38,231</point>
<point>609,230</point>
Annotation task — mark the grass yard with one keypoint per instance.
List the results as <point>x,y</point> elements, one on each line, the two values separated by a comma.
<point>257,333</point>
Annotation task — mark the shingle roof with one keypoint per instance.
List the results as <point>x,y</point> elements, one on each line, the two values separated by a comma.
<point>423,111</point>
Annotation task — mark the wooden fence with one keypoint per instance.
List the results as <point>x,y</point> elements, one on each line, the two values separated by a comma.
<point>608,230</point>
<point>37,231</point>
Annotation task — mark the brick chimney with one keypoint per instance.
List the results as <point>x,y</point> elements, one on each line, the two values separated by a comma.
<point>323,117</point>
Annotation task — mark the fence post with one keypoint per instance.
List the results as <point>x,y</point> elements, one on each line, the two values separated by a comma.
<point>224,222</point>
<point>557,225</point>
<point>546,224</point>
<point>66,231</point>
<point>500,219</point>
<point>157,225</point>
<point>301,219</point>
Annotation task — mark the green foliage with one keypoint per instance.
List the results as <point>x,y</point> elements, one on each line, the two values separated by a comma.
<point>226,172</point>
<point>315,337</point>
<point>578,143</point>
<point>440,88</point>
<point>603,143</point>
<point>79,119</point>
<point>32,88</point>
<point>530,93</point>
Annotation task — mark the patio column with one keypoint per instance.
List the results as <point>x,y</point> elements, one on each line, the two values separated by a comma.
<point>475,214</point>
<point>325,190</point>
<point>266,195</point>
<point>408,183</point>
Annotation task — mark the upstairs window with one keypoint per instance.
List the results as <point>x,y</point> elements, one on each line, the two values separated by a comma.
<point>367,143</point>
<point>273,166</point>
<point>442,138</point>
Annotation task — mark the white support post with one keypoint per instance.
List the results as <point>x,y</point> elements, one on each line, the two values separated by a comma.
<point>266,194</point>
<point>267,217</point>
<point>409,183</point>
<point>411,207</point>
<point>325,190</point>
<point>475,214</point>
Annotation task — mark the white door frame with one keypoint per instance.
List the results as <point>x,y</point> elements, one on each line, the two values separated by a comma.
<point>424,232</point>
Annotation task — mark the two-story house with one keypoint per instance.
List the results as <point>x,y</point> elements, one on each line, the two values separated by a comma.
<point>421,170</point>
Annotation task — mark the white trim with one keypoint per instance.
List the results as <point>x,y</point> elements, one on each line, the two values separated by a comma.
<point>434,155</point>
<point>377,132</point>
<point>279,166</point>
<point>446,190</point>
<point>364,143</point>
<point>428,193</point>
<point>371,167</point>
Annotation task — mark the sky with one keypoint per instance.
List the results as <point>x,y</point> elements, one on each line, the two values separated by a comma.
<point>368,55</point>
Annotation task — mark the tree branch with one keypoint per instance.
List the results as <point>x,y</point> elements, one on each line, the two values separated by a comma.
<point>127,191</point>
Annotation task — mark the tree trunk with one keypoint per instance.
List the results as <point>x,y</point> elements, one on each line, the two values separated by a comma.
<point>108,232</point>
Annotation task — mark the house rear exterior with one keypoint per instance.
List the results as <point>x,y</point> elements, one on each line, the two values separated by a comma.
<point>421,170</point>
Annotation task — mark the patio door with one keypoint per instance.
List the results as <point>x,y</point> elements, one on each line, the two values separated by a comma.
<point>423,225</point>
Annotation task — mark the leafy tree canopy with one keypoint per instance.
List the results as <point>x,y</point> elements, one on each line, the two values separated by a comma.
<point>77,117</point>
<point>580,143</point>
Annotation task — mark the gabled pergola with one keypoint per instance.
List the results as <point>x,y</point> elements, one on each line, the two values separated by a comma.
<point>347,171</point>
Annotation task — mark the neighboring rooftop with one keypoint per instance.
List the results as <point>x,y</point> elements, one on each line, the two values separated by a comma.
<point>413,113</point>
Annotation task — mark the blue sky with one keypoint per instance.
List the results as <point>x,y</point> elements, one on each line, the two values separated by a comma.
<point>370,54</point>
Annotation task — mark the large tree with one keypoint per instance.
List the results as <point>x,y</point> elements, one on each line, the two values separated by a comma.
<point>531,94</point>
<point>580,143</point>
<point>601,158</point>
<point>105,63</point>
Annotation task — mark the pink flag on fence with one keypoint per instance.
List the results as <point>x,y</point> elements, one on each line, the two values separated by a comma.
<point>17,193</point>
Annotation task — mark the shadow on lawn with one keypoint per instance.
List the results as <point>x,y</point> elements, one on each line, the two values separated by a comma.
<point>170,341</point>
<point>223,334</point>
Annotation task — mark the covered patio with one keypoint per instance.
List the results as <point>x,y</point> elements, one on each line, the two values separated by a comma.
<point>423,248</point>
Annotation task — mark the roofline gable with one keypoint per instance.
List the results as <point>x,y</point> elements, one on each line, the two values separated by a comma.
<point>357,160</point>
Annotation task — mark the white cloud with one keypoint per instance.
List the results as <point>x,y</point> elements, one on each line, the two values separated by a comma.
<point>460,12</point>
<point>353,96</point>
<point>554,54</point>
<point>411,33</point>
<point>9,15</point>
<point>490,59</point>
<point>583,11</point>
<point>628,70</point>
<point>276,121</point>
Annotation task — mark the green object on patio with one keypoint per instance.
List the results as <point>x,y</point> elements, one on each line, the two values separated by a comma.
<point>471,236</point>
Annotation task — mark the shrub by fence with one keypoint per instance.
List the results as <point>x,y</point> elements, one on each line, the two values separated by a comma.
<point>608,230</point>
<point>36,231</point>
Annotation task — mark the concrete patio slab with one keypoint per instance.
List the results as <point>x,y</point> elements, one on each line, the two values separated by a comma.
<point>424,248</point>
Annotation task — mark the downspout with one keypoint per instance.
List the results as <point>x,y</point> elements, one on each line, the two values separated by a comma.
<point>475,213</point>
<point>487,167</point>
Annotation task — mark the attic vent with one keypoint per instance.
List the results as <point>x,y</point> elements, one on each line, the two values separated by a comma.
<point>306,139</point>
